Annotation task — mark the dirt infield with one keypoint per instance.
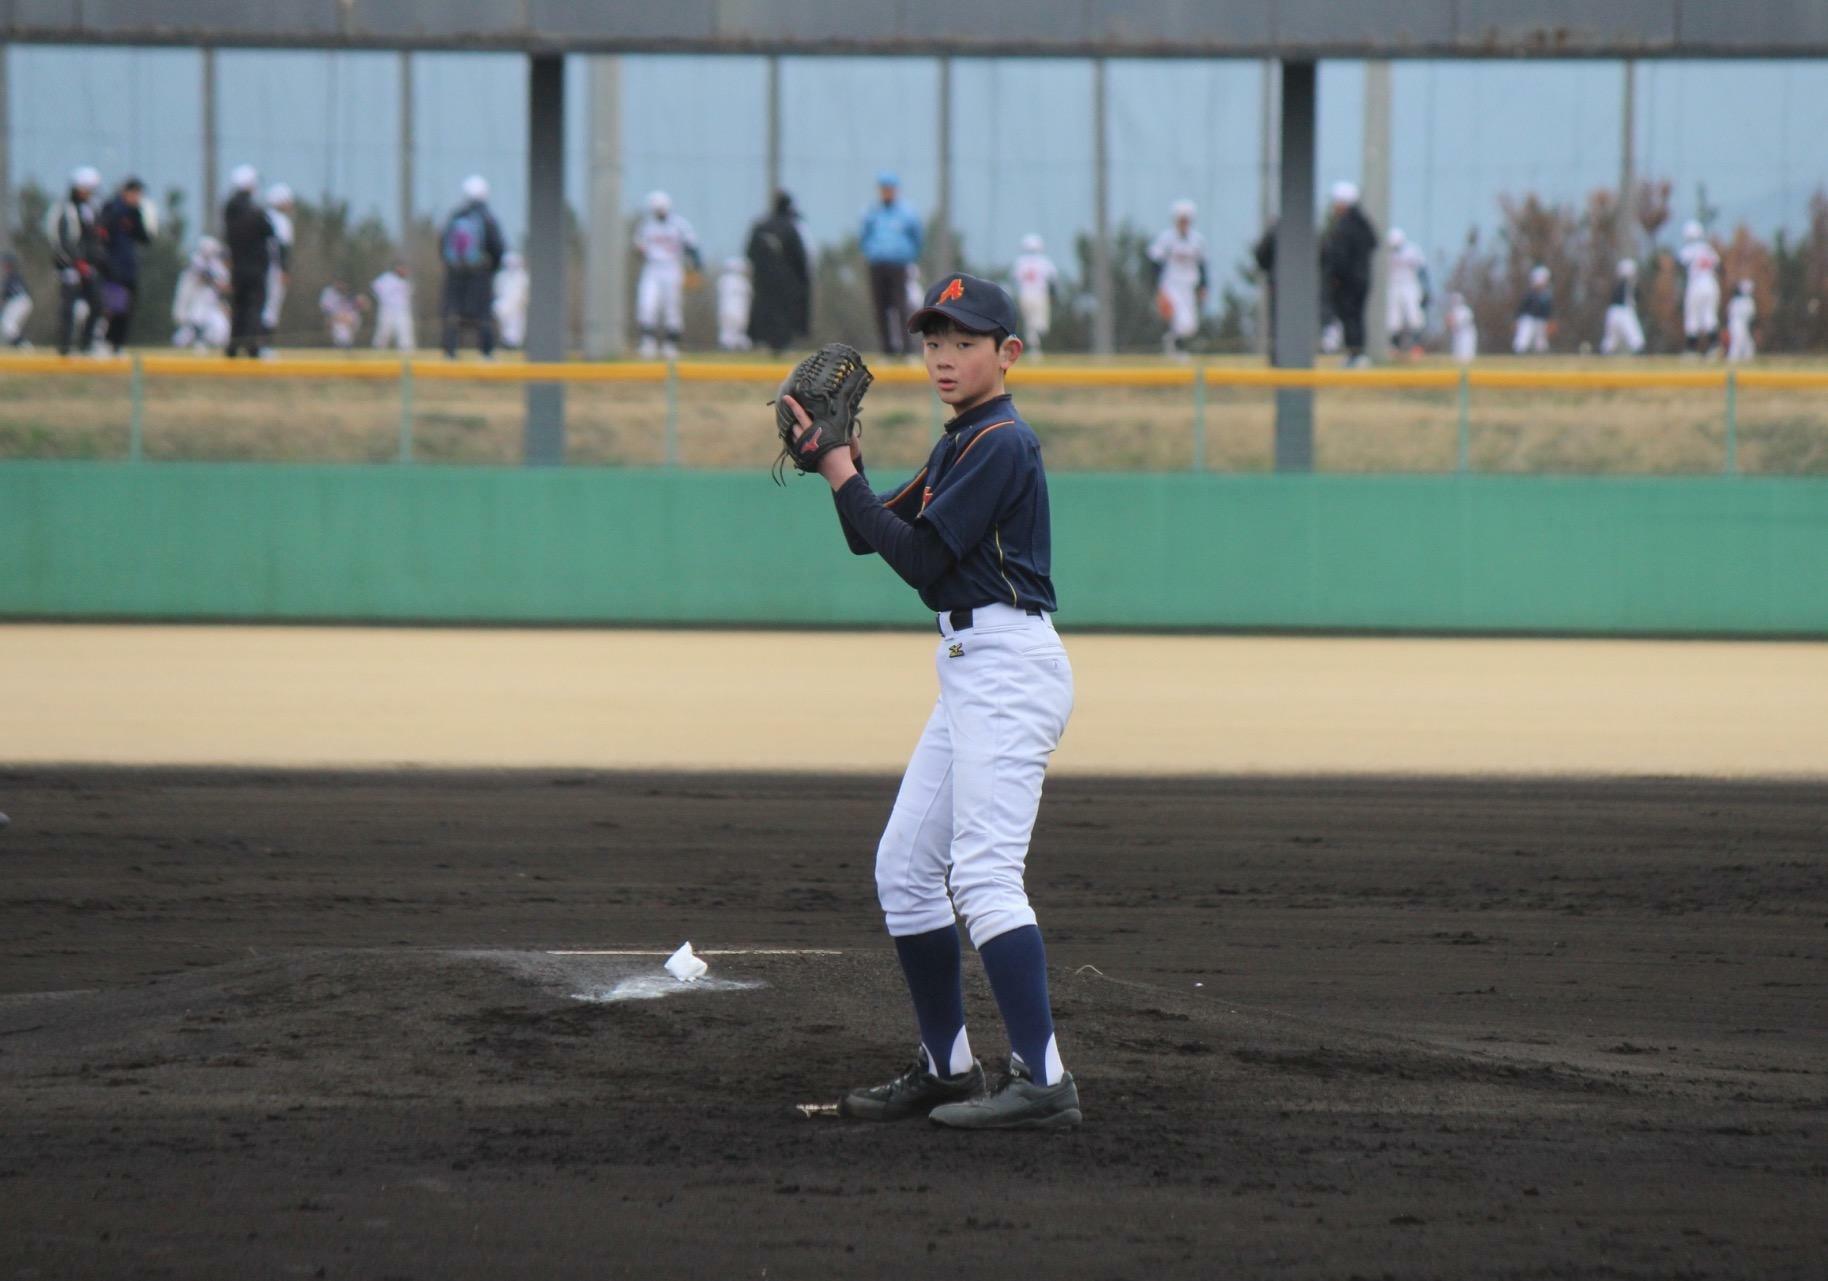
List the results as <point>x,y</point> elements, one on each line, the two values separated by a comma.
<point>306,1024</point>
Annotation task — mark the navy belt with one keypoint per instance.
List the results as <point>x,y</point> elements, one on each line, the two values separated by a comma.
<point>961,619</point>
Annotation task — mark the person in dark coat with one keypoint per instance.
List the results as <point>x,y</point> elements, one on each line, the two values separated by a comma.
<point>126,223</point>
<point>1345,267</point>
<point>247,229</point>
<point>782,310</point>
<point>472,249</point>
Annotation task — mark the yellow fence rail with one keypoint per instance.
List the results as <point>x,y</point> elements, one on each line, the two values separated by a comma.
<point>1199,377</point>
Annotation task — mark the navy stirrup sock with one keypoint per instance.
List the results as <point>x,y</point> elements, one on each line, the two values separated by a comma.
<point>1016,963</point>
<point>931,963</point>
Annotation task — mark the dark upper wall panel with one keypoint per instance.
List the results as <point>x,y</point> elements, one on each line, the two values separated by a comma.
<point>1168,28</point>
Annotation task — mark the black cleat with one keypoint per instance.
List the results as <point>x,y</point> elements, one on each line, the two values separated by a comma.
<point>1017,1104</point>
<point>915,1092</point>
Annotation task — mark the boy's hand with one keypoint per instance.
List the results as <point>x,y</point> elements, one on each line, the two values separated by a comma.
<point>839,465</point>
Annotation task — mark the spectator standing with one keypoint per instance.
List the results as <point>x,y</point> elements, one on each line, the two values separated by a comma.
<point>249,233</point>
<point>126,222</point>
<point>76,248</point>
<point>473,250</point>
<point>891,237</point>
<point>1345,266</point>
<point>782,310</point>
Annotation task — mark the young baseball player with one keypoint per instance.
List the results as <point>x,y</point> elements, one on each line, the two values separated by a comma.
<point>1404,308</point>
<point>510,303</point>
<point>735,296</point>
<point>1179,255</point>
<point>667,244</point>
<point>280,204</point>
<point>1534,315</point>
<point>1624,331</point>
<point>198,308</point>
<point>393,321</point>
<point>970,533</point>
<point>1740,313</point>
<point>1701,294</point>
<point>1035,276</point>
<point>1462,329</point>
<point>342,314</point>
<point>15,303</point>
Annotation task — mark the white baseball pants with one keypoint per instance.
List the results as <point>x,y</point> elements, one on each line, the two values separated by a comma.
<point>1701,307</point>
<point>1623,331</point>
<point>1403,310</point>
<point>659,300</point>
<point>1739,344</point>
<point>957,840</point>
<point>394,326</point>
<point>1532,336</point>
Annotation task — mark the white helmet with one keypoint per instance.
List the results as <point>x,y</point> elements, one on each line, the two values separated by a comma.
<point>85,178</point>
<point>659,203</point>
<point>1539,275</point>
<point>476,187</point>
<point>1628,268</point>
<point>280,196</point>
<point>1745,287</point>
<point>1182,209</point>
<point>244,178</point>
<point>1032,244</point>
<point>1345,193</point>
<point>1691,230</point>
<point>1397,238</point>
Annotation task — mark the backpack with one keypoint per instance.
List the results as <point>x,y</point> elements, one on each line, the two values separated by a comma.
<point>466,240</point>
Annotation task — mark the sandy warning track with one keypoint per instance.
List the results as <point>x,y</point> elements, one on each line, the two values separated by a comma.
<point>367,697</point>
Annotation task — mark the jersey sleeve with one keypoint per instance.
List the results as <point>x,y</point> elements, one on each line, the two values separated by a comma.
<point>976,487</point>
<point>1158,249</point>
<point>903,501</point>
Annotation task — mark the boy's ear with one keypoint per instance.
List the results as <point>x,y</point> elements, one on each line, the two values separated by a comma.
<point>1012,352</point>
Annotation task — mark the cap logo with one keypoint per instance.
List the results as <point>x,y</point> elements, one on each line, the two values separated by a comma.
<point>952,292</point>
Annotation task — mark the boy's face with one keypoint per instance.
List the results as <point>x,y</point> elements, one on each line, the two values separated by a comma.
<point>967,369</point>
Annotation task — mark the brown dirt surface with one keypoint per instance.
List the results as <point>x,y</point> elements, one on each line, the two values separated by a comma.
<point>274,1024</point>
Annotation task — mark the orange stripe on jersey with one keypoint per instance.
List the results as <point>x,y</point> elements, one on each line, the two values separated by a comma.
<point>907,489</point>
<point>974,440</point>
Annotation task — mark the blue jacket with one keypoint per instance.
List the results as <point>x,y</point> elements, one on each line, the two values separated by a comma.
<point>891,233</point>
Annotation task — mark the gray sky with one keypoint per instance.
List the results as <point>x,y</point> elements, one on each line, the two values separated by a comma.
<point>693,125</point>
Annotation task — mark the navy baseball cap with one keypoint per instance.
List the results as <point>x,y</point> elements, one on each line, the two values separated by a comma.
<point>970,302</point>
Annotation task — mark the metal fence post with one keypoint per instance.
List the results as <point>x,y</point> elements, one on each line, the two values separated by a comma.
<point>1199,418</point>
<point>672,413</point>
<point>136,412</point>
<point>1732,423</point>
<point>406,411</point>
<point>1463,431</point>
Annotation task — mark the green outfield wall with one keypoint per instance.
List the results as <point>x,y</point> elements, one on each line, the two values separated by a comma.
<point>1390,553</point>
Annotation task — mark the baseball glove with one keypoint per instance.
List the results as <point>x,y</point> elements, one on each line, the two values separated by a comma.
<point>829,386</point>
